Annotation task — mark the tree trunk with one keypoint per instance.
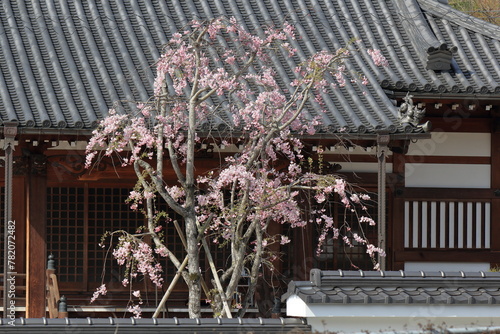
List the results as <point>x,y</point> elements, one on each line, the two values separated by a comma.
<point>193,280</point>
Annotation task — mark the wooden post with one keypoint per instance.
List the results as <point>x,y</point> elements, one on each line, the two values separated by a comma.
<point>276,310</point>
<point>495,187</point>
<point>9,265</point>
<point>302,252</point>
<point>382,149</point>
<point>36,248</point>
<point>19,215</point>
<point>62,308</point>
<point>396,227</point>
<point>52,290</point>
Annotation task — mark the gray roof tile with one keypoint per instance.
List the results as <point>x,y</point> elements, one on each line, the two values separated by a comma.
<point>63,64</point>
<point>398,287</point>
<point>152,325</point>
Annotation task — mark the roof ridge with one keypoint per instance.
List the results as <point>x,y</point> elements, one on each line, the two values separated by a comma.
<point>321,277</point>
<point>467,21</point>
<point>397,287</point>
<point>435,54</point>
<point>403,273</point>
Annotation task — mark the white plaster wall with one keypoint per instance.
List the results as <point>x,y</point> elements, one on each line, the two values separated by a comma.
<point>453,144</point>
<point>448,175</point>
<point>388,324</point>
<point>357,318</point>
<point>448,266</point>
<point>298,308</point>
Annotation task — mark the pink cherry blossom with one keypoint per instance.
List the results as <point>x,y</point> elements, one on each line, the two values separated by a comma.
<point>135,310</point>
<point>378,58</point>
<point>206,97</point>
<point>101,291</point>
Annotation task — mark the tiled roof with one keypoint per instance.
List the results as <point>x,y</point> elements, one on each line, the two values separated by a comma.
<point>398,287</point>
<point>475,65</point>
<point>64,63</point>
<point>168,325</point>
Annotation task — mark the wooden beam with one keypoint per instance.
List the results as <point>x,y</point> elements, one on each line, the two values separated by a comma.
<point>445,194</point>
<point>444,255</point>
<point>435,159</point>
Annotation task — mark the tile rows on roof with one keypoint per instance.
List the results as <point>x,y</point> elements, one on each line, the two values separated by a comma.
<point>153,325</point>
<point>398,287</point>
<point>64,64</point>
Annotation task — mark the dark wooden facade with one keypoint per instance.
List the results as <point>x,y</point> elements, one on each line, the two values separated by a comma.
<point>61,208</point>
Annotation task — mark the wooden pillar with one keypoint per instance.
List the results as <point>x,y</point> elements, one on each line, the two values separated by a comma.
<point>396,216</point>
<point>495,202</point>
<point>382,150</point>
<point>10,132</point>
<point>303,252</point>
<point>19,214</point>
<point>36,234</point>
<point>20,217</point>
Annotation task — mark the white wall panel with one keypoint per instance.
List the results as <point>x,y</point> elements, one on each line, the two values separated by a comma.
<point>448,266</point>
<point>448,175</point>
<point>453,144</point>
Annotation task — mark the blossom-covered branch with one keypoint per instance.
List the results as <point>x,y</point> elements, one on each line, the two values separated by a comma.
<point>216,84</point>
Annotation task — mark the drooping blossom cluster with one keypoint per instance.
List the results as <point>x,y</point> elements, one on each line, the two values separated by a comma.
<point>350,232</point>
<point>138,257</point>
<point>100,291</point>
<point>233,204</point>
<point>135,310</point>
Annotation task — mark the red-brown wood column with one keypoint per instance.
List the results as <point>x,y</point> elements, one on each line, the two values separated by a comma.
<point>19,208</point>
<point>302,252</point>
<point>495,202</point>
<point>396,217</point>
<point>19,216</point>
<point>36,233</point>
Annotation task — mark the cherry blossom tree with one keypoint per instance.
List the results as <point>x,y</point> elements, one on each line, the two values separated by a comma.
<point>215,85</point>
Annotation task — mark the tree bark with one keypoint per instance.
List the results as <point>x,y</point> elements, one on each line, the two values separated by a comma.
<point>193,280</point>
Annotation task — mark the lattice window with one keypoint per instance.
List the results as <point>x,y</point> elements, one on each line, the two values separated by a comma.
<point>221,256</point>
<point>174,243</point>
<point>107,211</point>
<point>447,224</point>
<point>66,231</point>
<point>77,218</point>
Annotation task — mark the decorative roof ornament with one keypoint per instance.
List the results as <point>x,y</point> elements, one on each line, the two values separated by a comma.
<point>434,53</point>
<point>439,58</point>
<point>409,115</point>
